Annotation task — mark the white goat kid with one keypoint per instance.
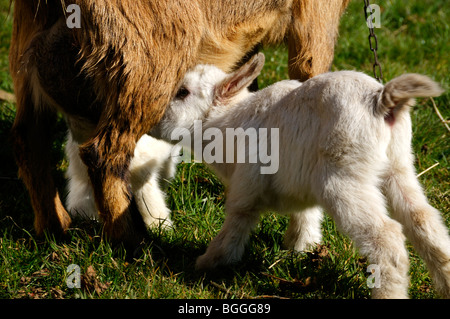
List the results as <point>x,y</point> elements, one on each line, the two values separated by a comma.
<point>152,166</point>
<point>345,145</point>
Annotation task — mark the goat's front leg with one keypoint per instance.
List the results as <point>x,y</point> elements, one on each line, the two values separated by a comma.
<point>304,231</point>
<point>151,169</point>
<point>80,200</point>
<point>107,157</point>
<point>229,245</point>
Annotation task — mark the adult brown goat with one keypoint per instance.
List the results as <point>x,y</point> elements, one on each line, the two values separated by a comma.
<point>113,77</point>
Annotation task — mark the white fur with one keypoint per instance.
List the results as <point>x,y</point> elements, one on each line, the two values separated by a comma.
<point>338,151</point>
<point>152,166</point>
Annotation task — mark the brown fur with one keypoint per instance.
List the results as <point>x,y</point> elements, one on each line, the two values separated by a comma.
<point>116,74</point>
<point>312,36</point>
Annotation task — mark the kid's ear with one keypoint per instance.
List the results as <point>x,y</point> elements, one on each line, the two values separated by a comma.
<point>240,79</point>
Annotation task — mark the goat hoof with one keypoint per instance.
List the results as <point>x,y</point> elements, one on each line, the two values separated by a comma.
<point>57,226</point>
<point>205,263</point>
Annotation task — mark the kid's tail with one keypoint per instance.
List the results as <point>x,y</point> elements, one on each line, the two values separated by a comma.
<point>401,90</point>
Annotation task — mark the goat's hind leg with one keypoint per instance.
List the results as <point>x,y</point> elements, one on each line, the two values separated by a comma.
<point>359,211</point>
<point>31,133</point>
<point>423,224</point>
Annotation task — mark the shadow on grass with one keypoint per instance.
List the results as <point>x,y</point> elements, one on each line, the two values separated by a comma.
<point>270,273</point>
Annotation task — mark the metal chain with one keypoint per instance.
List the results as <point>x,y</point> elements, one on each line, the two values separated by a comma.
<point>378,74</point>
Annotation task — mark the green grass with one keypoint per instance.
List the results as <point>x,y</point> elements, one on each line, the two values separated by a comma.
<point>413,38</point>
